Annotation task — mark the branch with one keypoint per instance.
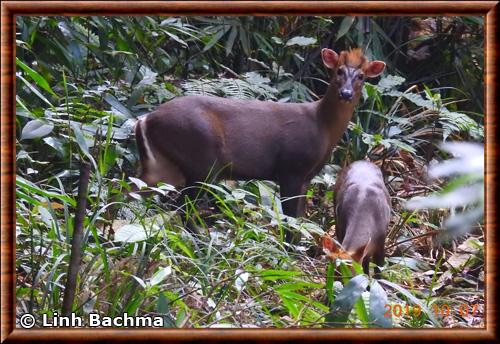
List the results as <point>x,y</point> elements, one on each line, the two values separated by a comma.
<point>76,241</point>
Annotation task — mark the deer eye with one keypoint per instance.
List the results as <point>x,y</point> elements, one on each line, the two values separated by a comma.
<point>340,71</point>
<point>360,76</point>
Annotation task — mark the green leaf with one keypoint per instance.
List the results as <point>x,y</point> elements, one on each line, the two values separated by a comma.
<point>139,183</point>
<point>133,232</point>
<point>29,186</point>
<point>297,285</point>
<point>175,38</point>
<point>277,40</point>
<point>378,300</point>
<point>35,129</point>
<point>56,144</point>
<point>163,308</point>
<point>330,273</point>
<point>389,82</point>
<point>230,40</point>
<point>214,39</point>
<point>110,156</point>
<point>301,41</point>
<point>115,103</point>
<point>40,80</point>
<point>80,139</point>
<point>23,111</point>
<point>343,304</point>
<point>245,42</point>
<point>140,281</point>
<point>160,275</point>
<point>361,312</point>
<point>34,90</point>
<point>273,275</point>
<point>180,243</point>
<point>345,25</point>
<point>413,299</point>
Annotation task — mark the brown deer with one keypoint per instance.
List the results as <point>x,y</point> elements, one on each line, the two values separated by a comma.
<point>182,141</point>
<point>362,213</point>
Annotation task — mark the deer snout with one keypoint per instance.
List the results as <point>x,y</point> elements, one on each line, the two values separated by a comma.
<point>346,94</point>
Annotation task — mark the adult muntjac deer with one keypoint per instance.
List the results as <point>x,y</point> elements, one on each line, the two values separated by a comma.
<point>184,140</point>
<point>362,212</point>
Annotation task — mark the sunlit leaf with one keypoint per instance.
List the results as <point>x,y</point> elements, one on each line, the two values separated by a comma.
<point>413,299</point>
<point>131,233</point>
<point>35,129</point>
<point>160,275</point>
<point>115,103</point>
<point>301,41</point>
<point>378,300</point>
<point>344,302</point>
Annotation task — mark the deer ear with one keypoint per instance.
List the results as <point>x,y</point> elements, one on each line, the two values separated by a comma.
<point>330,58</point>
<point>375,68</point>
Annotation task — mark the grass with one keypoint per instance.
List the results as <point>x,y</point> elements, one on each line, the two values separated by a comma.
<point>237,272</point>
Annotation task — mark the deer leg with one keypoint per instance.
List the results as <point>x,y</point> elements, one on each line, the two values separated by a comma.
<point>379,258</point>
<point>366,265</point>
<point>293,188</point>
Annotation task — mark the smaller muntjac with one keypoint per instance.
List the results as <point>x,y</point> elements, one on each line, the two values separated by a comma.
<point>186,139</point>
<point>362,213</point>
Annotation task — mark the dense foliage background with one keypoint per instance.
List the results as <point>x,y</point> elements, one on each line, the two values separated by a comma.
<point>81,82</point>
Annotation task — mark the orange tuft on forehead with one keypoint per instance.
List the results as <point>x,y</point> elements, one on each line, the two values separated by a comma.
<point>353,58</point>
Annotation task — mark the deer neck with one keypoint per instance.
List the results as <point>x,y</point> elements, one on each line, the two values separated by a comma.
<point>334,114</point>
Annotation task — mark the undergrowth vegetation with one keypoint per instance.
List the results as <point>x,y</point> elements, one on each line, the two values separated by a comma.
<point>83,81</point>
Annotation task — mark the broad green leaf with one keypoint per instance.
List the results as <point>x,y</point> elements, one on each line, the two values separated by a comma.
<point>343,304</point>
<point>46,216</point>
<point>389,82</point>
<point>413,299</point>
<point>139,183</point>
<point>160,275</point>
<point>301,41</point>
<point>34,90</point>
<point>345,25</point>
<point>35,129</point>
<point>131,233</point>
<point>266,196</point>
<point>109,159</point>
<point>378,300</point>
<point>80,139</point>
<point>140,281</point>
<point>163,308</point>
<point>245,43</point>
<point>241,280</point>
<point>277,40</point>
<point>115,103</point>
<point>40,80</point>
<point>180,243</point>
<point>230,40</point>
<point>56,144</point>
<point>361,311</point>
